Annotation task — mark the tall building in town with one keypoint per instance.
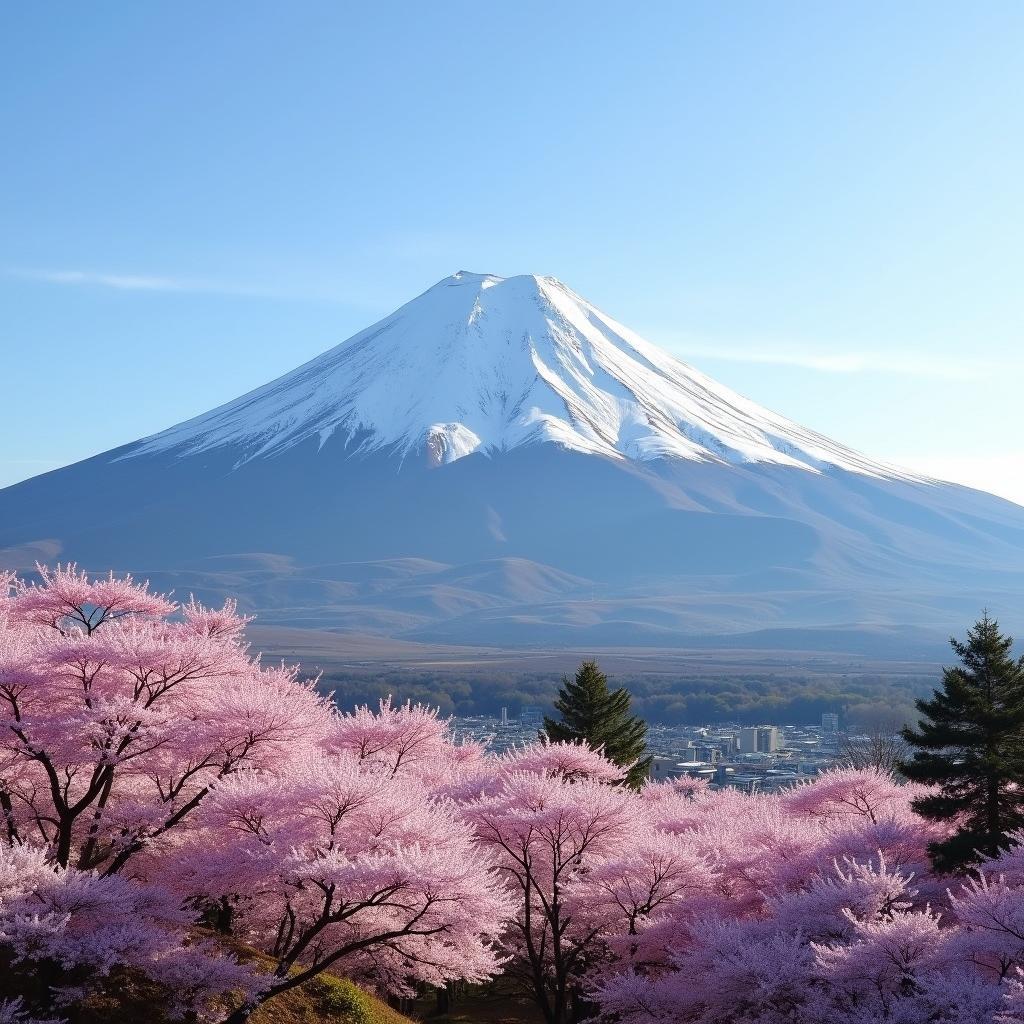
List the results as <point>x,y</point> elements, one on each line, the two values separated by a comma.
<point>759,739</point>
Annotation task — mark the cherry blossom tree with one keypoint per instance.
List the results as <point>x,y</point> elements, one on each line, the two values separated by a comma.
<point>547,820</point>
<point>117,717</point>
<point>160,785</point>
<point>989,910</point>
<point>154,776</point>
<point>822,911</point>
<point>338,863</point>
<point>62,931</point>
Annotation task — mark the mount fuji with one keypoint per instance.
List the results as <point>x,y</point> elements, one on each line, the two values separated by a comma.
<point>500,462</point>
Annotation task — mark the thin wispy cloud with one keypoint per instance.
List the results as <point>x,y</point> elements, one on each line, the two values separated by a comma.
<point>848,362</point>
<point>345,289</point>
<point>136,282</point>
<point>772,353</point>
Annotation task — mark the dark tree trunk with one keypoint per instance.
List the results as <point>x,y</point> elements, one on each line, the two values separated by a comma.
<point>444,999</point>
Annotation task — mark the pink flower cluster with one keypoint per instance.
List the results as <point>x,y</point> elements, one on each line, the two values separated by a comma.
<point>155,776</point>
<point>159,785</point>
<point>820,906</point>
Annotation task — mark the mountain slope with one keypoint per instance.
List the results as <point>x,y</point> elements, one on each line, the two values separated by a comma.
<point>482,363</point>
<point>499,461</point>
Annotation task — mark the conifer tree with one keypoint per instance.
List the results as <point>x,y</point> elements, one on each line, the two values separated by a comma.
<point>600,717</point>
<point>970,745</point>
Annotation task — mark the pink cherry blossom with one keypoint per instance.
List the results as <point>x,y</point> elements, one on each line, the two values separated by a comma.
<point>155,776</point>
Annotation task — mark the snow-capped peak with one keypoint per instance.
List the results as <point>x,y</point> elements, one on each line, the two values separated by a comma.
<point>481,363</point>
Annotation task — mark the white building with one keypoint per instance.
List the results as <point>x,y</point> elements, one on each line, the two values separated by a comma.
<point>759,739</point>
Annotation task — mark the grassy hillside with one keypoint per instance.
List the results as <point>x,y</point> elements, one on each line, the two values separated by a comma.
<point>326,1000</point>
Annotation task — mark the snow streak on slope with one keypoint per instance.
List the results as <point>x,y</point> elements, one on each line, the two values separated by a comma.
<point>483,363</point>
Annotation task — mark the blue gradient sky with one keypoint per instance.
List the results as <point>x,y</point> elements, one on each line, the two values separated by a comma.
<point>822,205</point>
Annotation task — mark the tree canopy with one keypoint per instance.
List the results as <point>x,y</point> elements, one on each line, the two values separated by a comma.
<point>167,800</point>
<point>969,744</point>
<point>591,713</point>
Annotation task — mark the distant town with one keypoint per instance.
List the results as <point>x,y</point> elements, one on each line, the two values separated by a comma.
<point>761,758</point>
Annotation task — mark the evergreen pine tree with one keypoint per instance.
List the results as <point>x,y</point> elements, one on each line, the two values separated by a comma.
<point>600,717</point>
<point>970,744</point>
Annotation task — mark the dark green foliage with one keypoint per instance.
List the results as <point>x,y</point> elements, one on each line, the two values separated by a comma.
<point>600,717</point>
<point>970,744</point>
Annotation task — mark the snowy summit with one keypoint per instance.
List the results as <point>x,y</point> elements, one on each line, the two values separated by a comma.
<point>480,363</point>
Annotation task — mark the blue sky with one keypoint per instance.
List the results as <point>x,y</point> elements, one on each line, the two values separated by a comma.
<point>822,205</point>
